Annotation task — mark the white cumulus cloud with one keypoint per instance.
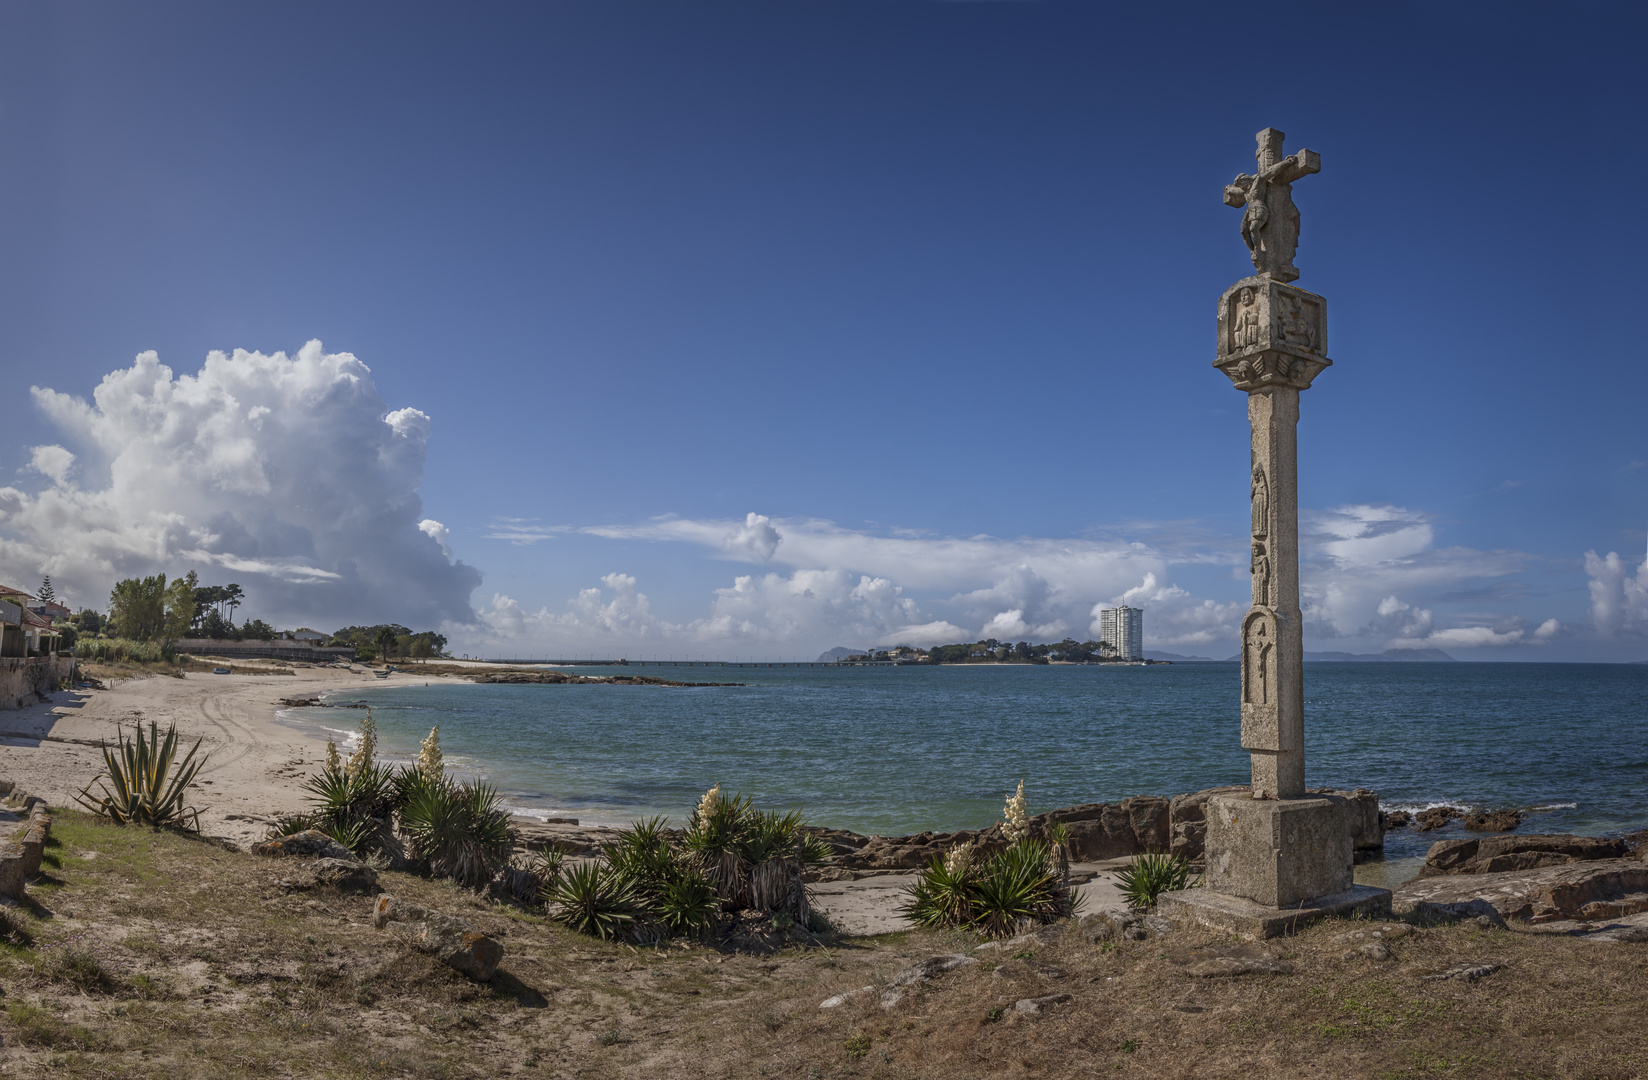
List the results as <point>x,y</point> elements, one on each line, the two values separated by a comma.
<point>1619,596</point>
<point>286,473</point>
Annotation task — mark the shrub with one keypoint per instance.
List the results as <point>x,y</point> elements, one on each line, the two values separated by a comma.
<point>1151,874</point>
<point>115,650</point>
<point>460,829</point>
<point>139,783</point>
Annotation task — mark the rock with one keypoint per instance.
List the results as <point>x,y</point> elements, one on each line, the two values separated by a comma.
<point>1231,966</point>
<point>1630,904</point>
<point>1147,816</point>
<point>1027,969</point>
<point>842,999</point>
<point>1477,909</point>
<point>1376,950</point>
<point>452,941</point>
<point>1542,895</point>
<point>1105,926</point>
<point>1436,817</point>
<point>1383,932</point>
<point>935,965</point>
<point>348,875</point>
<point>1367,825</point>
<point>1501,854</point>
<point>312,844</point>
<point>1631,929</point>
<point>1034,1006</point>
<point>1493,821</point>
<point>1470,972</point>
<point>1395,819</point>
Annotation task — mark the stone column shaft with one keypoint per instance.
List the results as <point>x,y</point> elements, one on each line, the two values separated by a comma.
<point>1273,700</point>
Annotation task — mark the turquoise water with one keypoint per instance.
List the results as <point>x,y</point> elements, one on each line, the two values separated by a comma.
<point>901,749</point>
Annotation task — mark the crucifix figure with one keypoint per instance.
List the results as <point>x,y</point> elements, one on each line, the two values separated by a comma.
<point>1270,224</point>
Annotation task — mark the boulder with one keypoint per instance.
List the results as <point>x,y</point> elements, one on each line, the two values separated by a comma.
<point>1469,972</point>
<point>1500,854</point>
<point>312,844</point>
<point>1486,915</point>
<point>1436,817</point>
<point>895,989</point>
<point>450,940</point>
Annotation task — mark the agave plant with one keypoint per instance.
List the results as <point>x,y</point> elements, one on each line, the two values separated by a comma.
<point>139,783</point>
<point>1151,874</point>
<point>460,829</point>
<point>592,899</point>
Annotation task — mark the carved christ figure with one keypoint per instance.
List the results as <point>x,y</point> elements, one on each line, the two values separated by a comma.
<point>1270,221</point>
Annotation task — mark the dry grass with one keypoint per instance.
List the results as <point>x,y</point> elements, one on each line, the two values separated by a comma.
<point>158,955</point>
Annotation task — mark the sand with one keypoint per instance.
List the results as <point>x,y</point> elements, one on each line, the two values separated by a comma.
<point>255,765</point>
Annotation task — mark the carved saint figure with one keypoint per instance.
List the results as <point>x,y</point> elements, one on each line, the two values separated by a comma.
<point>1296,329</point>
<point>1270,221</point>
<point>1244,331</point>
<point>1261,503</point>
<point>1261,575</point>
<point>1256,650</point>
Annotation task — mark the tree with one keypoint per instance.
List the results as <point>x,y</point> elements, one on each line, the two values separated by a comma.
<point>137,608</point>
<point>180,606</point>
<point>89,621</point>
<point>257,630</point>
<point>385,640</point>
<point>48,595</point>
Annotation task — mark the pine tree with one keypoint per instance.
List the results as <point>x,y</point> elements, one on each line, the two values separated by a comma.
<point>47,595</point>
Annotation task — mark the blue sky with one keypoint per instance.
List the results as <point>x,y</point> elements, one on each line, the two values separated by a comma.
<point>927,288</point>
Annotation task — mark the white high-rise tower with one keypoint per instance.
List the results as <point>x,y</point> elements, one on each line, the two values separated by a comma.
<point>1121,629</point>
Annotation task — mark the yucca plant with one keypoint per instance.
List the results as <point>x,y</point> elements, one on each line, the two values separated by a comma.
<point>290,825</point>
<point>358,804</point>
<point>996,896</point>
<point>140,785</point>
<point>1151,874</point>
<point>460,829</point>
<point>688,905</point>
<point>592,899</point>
<point>942,895</point>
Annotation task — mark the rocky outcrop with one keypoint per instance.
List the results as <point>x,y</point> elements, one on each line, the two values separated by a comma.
<point>1098,831</point>
<point>1577,890</point>
<point>1493,821</point>
<point>1501,854</point>
<point>452,941</point>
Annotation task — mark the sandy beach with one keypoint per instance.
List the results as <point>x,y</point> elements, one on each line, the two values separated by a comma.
<point>255,765</point>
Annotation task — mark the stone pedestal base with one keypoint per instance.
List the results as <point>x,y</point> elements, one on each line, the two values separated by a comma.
<point>1241,916</point>
<point>1278,853</point>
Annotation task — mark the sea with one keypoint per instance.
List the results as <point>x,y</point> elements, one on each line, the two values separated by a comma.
<point>897,750</point>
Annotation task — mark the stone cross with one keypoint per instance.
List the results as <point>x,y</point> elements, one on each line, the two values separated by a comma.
<point>1270,222</point>
<point>1272,343</point>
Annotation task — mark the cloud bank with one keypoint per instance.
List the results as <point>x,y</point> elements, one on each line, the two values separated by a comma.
<point>820,584</point>
<point>288,474</point>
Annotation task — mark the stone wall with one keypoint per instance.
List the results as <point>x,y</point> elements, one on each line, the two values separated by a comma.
<point>25,824</point>
<point>26,680</point>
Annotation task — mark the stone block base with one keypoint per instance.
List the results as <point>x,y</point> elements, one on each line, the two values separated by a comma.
<point>1242,916</point>
<point>1278,852</point>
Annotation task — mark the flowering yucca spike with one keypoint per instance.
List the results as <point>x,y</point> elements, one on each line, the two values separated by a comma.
<point>707,805</point>
<point>959,859</point>
<point>333,763</point>
<point>361,759</point>
<point>429,756</point>
<point>1016,825</point>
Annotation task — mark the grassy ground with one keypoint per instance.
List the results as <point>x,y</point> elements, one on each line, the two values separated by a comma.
<point>152,954</point>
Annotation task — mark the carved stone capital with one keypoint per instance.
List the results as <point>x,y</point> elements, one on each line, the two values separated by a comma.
<point>1271,335</point>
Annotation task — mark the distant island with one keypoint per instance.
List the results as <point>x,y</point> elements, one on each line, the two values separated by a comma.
<point>988,651</point>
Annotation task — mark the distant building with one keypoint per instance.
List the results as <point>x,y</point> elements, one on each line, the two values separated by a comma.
<point>1121,632</point>
<point>304,634</point>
